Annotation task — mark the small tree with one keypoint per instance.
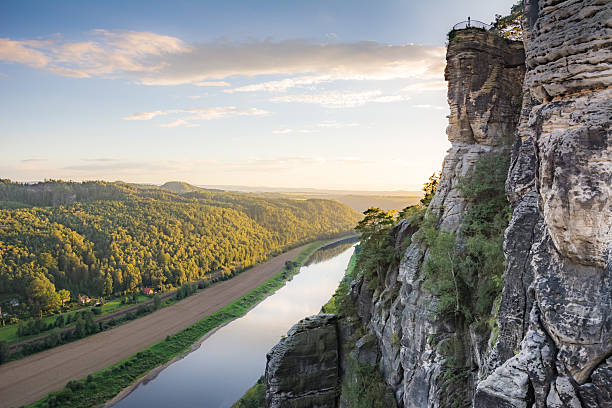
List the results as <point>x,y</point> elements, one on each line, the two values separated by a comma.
<point>510,26</point>
<point>156,302</point>
<point>64,295</point>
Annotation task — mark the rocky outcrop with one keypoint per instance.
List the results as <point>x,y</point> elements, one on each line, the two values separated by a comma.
<point>303,368</point>
<point>552,346</point>
<point>556,308</point>
<point>484,73</point>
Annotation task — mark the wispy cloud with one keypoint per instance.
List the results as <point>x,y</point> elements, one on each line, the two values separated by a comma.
<point>145,115</point>
<point>428,106</point>
<point>104,53</point>
<point>100,159</point>
<point>283,84</point>
<point>285,131</point>
<point>426,86</point>
<point>337,125</point>
<point>156,59</point>
<point>338,99</point>
<point>316,128</point>
<point>179,122</point>
<point>211,83</point>
<point>33,160</point>
<point>195,114</point>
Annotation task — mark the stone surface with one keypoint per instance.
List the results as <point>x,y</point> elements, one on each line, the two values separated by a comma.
<point>558,242</point>
<point>303,368</point>
<point>553,347</point>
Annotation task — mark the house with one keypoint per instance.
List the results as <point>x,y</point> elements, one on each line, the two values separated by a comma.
<point>14,303</point>
<point>147,291</point>
<point>84,299</point>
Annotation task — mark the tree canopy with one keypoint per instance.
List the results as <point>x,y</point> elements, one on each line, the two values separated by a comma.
<point>100,238</point>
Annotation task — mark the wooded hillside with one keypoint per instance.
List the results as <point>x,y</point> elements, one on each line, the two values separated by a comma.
<point>102,238</point>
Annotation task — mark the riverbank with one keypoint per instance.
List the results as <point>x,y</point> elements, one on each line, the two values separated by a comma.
<point>107,382</point>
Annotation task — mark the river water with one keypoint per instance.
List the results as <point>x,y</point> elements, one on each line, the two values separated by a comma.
<point>232,359</point>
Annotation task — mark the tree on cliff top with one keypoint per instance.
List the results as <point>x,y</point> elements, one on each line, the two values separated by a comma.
<point>510,26</point>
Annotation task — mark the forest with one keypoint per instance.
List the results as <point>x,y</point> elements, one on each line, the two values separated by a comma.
<point>101,238</point>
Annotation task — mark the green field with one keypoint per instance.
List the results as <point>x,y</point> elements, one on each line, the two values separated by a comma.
<point>9,333</point>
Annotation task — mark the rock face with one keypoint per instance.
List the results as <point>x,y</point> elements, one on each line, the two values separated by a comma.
<point>556,308</point>
<point>553,348</point>
<point>484,73</point>
<point>303,368</point>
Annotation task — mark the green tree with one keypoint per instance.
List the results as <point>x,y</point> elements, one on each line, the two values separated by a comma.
<point>64,295</point>
<point>429,188</point>
<point>510,26</point>
<point>41,292</point>
<point>156,301</point>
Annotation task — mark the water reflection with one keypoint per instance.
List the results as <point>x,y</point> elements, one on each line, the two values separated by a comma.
<point>323,255</point>
<point>233,358</point>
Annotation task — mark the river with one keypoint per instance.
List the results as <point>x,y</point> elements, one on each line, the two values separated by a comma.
<point>232,359</point>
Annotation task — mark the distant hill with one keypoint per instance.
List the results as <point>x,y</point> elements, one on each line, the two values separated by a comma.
<point>363,202</point>
<point>356,199</point>
<point>313,191</point>
<point>180,187</point>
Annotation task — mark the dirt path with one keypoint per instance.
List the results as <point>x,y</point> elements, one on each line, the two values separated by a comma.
<point>27,380</point>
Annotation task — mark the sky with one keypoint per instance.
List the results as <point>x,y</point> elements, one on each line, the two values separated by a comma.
<point>316,94</point>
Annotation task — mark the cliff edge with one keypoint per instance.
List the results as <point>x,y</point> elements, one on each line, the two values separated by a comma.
<point>538,330</point>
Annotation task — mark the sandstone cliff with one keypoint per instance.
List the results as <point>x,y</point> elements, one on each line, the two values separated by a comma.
<point>556,308</point>
<point>303,368</point>
<point>551,341</point>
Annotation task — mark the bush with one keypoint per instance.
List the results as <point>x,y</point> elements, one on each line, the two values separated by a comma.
<point>364,387</point>
<point>467,280</point>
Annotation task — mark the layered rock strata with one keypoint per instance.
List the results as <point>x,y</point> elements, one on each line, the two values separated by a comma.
<point>484,74</point>
<point>553,348</point>
<point>556,308</point>
<point>303,368</point>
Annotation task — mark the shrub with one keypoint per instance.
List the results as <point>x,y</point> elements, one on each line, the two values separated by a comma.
<point>364,387</point>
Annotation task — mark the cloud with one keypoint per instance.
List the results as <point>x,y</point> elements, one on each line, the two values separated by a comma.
<point>101,159</point>
<point>283,84</point>
<point>144,115</point>
<point>155,59</point>
<point>337,125</point>
<point>211,83</point>
<point>192,114</point>
<point>426,86</point>
<point>285,131</point>
<point>105,53</point>
<point>316,128</point>
<point>23,52</point>
<point>179,122</point>
<point>428,106</point>
<point>338,99</point>
<point>33,160</point>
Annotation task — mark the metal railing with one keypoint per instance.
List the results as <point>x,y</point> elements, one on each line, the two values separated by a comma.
<point>469,23</point>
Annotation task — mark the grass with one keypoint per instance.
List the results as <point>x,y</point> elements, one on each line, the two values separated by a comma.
<point>255,397</point>
<point>9,333</point>
<point>105,384</point>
